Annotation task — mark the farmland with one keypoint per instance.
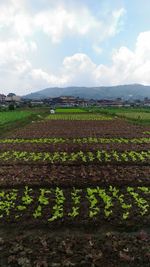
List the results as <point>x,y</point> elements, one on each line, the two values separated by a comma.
<point>136,115</point>
<point>75,191</point>
<point>79,117</point>
<point>17,118</point>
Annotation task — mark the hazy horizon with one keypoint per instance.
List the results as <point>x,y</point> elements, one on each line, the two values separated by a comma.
<point>73,43</point>
<point>74,86</point>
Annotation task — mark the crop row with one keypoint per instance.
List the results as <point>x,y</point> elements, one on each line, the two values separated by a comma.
<point>78,117</point>
<point>98,201</point>
<point>73,129</point>
<point>84,140</point>
<point>9,116</point>
<point>86,157</point>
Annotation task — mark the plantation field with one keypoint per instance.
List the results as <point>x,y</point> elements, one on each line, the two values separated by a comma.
<point>137,115</point>
<point>75,191</point>
<point>78,117</point>
<point>11,116</point>
<point>70,110</point>
<point>10,120</point>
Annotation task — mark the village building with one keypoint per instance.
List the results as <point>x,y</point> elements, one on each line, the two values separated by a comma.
<point>2,98</point>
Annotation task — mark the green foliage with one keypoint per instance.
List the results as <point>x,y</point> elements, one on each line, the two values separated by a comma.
<point>107,201</point>
<point>84,140</point>
<point>7,202</point>
<point>38,212</point>
<point>11,107</point>
<point>141,202</point>
<point>93,208</point>
<point>107,198</point>
<point>58,209</point>
<point>11,116</point>
<point>120,197</point>
<point>78,117</point>
<point>76,202</point>
<point>137,115</point>
<point>85,157</point>
<point>70,110</point>
<point>42,200</point>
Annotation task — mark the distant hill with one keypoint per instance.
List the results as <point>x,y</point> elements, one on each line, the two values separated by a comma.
<point>131,91</point>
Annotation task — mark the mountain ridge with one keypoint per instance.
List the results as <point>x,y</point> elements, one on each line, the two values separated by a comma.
<point>129,91</point>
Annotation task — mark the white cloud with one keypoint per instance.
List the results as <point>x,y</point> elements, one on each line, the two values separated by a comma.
<point>127,67</point>
<point>9,9</point>
<point>23,25</point>
<point>78,69</point>
<point>19,25</point>
<point>133,66</point>
<point>60,22</point>
<point>117,21</point>
<point>12,52</point>
<point>39,75</point>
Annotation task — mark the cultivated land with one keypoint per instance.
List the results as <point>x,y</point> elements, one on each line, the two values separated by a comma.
<point>75,191</point>
<point>135,115</point>
<point>11,119</point>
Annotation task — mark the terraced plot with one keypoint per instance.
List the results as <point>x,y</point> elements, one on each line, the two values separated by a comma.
<point>78,175</point>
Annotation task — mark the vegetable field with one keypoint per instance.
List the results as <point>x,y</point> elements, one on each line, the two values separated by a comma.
<point>9,116</point>
<point>136,115</point>
<point>79,117</point>
<point>75,191</point>
<point>10,120</point>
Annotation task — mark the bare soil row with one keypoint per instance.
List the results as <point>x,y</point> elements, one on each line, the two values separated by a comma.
<point>73,129</point>
<point>81,241</point>
<point>75,248</point>
<point>73,147</point>
<point>79,176</point>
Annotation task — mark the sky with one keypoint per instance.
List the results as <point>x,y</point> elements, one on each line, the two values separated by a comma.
<point>50,43</point>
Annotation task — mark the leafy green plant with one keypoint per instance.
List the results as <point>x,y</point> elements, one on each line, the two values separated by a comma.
<point>93,208</point>
<point>58,209</point>
<point>126,207</point>
<point>84,140</point>
<point>38,212</point>
<point>107,201</point>
<point>76,202</point>
<point>78,117</point>
<point>7,201</point>
<point>141,202</point>
<point>26,199</point>
<point>21,202</point>
<point>64,157</point>
<point>42,200</point>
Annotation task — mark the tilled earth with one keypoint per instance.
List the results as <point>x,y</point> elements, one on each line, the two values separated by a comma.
<point>73,129</point>
<point>100,244</point>
<point>41,248</point>
<point>69,176</point>
<point>73,147</point>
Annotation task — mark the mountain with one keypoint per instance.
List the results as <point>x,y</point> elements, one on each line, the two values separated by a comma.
<point>131,91</point>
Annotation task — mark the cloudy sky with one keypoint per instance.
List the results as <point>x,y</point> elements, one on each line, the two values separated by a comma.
<point>47,43</point>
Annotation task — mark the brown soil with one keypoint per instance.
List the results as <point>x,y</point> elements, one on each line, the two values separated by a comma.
<point>82,248</point>
<point>26,219</point>
<point>73,147</point>
<point>80,242</point>
<point>73,129</point>
<point>78,176</point>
